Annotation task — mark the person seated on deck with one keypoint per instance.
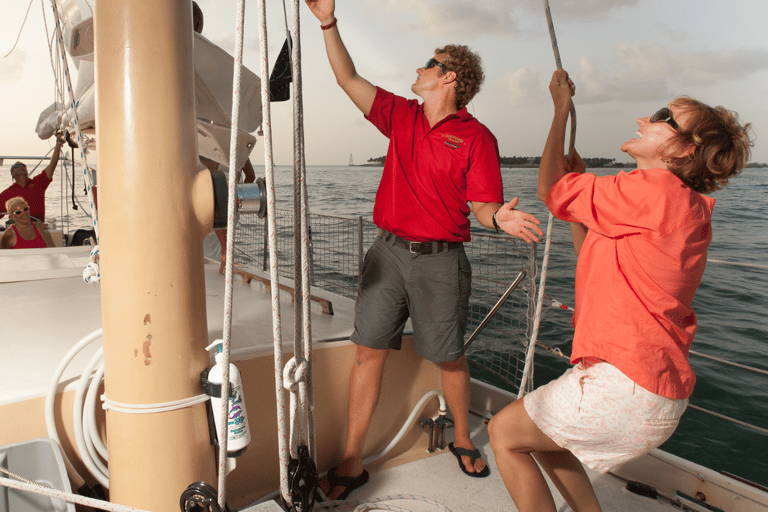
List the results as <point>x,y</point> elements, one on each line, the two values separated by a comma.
<point>440,161</point>
<point>642,241</point>
<point>32,190</point>
<point>24,233</point>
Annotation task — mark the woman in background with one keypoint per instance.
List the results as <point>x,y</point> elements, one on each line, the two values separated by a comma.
<point>24,233</point>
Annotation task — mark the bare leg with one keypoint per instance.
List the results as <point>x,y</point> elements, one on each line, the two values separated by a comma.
<point>568,475</point>
<point>514,436</point>
<point>455,376</point>
<point>364,387</point>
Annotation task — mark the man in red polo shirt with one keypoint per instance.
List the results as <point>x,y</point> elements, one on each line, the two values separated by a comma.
<point>440,158</point>
<point>31,189</point>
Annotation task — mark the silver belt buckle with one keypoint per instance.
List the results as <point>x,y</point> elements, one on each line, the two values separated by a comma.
<point>410,247</point>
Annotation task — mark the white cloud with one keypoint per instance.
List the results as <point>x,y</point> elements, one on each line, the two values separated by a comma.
<point>649,71</point>
<point>581,10</point>
<point>12,67</point>
<point>449,18</point>
<point>523,87</point>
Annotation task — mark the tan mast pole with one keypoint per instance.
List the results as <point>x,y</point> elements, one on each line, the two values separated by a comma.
<point>154,208</point>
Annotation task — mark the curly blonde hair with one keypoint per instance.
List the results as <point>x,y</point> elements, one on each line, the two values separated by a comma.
<point>469,71</point>
<point>721,146</point>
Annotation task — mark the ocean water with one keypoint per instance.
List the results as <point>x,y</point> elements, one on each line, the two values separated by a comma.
<point>731,303</point>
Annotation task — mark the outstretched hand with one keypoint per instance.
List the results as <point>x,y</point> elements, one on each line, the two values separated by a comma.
<point>518,223</point>
<point>322,9</point>
<point>561,88</point>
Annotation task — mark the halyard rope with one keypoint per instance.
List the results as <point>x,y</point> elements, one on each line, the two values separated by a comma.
<point>526,380</point>
<point>228,290</point>
<point>271,221</point>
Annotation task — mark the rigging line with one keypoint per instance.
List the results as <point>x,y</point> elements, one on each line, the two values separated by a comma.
<point>737,264</point>
<point>271,223</point>
<point>728,418</point>
<point>550,221</point>
<point>20,30</point>
<point>725,361</point>
<point>232,188</point>
<point>87,172</point>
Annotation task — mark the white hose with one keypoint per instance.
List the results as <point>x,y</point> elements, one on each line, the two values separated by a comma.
<point>87,453</point>
<point>50,400</point>
<point>408,422</point>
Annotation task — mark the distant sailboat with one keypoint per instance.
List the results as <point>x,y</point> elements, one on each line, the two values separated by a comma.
<point>351,163</point>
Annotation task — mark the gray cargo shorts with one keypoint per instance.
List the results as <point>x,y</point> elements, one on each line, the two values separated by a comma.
<point>433,289</point>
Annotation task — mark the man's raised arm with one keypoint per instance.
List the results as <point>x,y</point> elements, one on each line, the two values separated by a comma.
<point>359,90</point>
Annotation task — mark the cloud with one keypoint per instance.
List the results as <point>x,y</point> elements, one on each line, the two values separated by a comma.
<point>581,10</point>
<point>449,18</point>
<point>647,71</point>
<point>12,67</point>
<point>523,87</point>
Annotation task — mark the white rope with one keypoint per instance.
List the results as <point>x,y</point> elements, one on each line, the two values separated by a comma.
<point>111,405</point>
<point>306,391</point>
<point>271,220</point>
<point>526,381</point>
<point>65,496</point>
<point>232,186</point>
<point>20,30</point>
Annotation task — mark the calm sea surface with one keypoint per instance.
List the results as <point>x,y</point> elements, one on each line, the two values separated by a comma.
<point>731,303</point>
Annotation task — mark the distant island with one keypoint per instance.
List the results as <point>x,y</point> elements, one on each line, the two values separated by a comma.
<point>533,161</point>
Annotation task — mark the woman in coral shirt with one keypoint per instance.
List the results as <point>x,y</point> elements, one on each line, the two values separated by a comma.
<point>642,240</point>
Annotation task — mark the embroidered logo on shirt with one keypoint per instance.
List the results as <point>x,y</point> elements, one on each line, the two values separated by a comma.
<point>453,141</point>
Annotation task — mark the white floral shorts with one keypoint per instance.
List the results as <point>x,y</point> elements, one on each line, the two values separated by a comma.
<point>601,416</point>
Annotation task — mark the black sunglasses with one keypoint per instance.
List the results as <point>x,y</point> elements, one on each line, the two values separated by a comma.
<point>18,212</point>
<point>434,62</point>
<point>17,165</point>
<point>665,115</point>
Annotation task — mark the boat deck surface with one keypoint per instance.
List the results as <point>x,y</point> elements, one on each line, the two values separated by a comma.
<point>49,308</point>
<point>439,478</point>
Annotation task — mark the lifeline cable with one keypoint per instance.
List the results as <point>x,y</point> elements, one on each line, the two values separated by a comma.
<point>527,370</point>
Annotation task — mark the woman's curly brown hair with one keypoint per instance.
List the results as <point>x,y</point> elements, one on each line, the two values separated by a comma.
<point>721,146</point>
<point>469,71</point>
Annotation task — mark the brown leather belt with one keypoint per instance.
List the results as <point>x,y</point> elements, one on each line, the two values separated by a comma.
<point>418,247</point>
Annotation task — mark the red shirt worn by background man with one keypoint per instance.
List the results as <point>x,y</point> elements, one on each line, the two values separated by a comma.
<point>430,174</point>
<point>637,273</point>
<point>33,193</point>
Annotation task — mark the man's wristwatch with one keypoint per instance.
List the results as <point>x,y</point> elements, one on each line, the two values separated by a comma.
<point>495,224</point>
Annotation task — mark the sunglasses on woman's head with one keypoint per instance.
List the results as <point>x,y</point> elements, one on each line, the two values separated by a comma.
<point>18,212</point>
<point>665,115</point>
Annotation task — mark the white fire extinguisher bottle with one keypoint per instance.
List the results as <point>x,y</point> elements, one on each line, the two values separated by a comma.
<point>239,434</point>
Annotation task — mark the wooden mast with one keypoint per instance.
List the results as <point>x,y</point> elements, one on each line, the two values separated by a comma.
<point>154,209</point>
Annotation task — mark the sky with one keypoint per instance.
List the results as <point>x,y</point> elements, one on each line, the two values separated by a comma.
<point>628,58</point>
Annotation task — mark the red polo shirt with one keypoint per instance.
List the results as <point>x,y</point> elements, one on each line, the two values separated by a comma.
<point>637,273</point>
<point>33,193</point>
<point>431,173</point>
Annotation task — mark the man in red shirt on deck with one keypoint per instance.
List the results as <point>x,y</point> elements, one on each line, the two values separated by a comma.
<point>32,190</point>
<point>439,159</point>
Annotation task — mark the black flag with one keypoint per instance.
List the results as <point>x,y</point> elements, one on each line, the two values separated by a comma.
<point>280,79</point>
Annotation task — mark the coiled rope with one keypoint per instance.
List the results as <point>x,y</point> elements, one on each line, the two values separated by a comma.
<point>526,381</point>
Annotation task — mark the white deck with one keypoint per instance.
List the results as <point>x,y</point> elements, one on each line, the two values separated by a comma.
<point>49,308</point>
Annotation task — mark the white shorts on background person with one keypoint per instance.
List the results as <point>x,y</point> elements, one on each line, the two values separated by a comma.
<point>601,416</point>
